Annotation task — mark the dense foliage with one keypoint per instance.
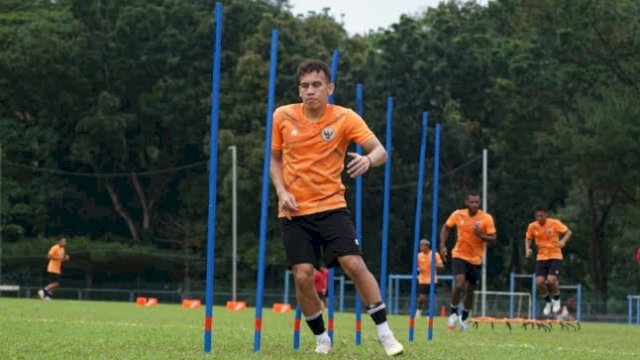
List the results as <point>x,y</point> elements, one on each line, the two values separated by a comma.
<point>104,129</point>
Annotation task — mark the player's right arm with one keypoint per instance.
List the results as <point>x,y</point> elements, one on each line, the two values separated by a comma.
<point>444,235</point>
<point>286,200</point>
<point>528,238</point>
<point>527,248</point>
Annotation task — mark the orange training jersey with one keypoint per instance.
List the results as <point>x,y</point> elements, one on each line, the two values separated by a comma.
<point>469,246</point>
<point>547,237</point>
<point>313,154</point>
<point>55,264</point>
<point>424,264</point>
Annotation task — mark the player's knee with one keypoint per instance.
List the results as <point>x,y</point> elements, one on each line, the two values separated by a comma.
<point>353,266</point>
<point>303,275</point>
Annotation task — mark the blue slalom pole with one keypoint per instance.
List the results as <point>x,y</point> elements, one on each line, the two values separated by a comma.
<point>434,231</point>
<point>360,112</point>
<point>384,247</point>
<point>264,209</point>
<point>296,328</point>
<point>213,178</point>
<point>416,232</point>
<point>334,76</point>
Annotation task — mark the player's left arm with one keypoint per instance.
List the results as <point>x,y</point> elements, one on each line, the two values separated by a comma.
<point>376,155</point>
<point>565,237</point>
<point>489,235</point>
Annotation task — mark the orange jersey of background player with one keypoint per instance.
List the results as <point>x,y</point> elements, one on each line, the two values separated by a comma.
<point>56,256</point>
<point>547,238</point>
<point>313,153</point>
<point>469,246</point>
<point>424,267</point>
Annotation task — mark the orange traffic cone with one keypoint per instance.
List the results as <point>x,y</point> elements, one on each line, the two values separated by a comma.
<point>443,311</point>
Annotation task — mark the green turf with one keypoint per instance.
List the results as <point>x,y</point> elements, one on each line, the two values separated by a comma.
<point>32,329</point>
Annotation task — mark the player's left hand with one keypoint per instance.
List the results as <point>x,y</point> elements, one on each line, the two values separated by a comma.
<point>562,244</point>
<point>358,165</point>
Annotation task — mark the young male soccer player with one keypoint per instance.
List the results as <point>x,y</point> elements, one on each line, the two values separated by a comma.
<point>475,228</point>
<point>309,146</point>
<point>56,256</point>
<point>546,233</point>
<point>424,273</point>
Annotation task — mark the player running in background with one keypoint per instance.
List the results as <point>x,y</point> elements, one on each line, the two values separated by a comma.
<point>546,233</point>
<point>424,274</point>
<point>474,228</point>
<point>56,256</point>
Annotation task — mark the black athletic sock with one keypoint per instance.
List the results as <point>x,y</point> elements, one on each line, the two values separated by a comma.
<point>378,312</point>
<point>556,296</point>
<point>547,298</point>
<point>453,310</point>
<point>316,323</point>
<point>46,292</point>
<point>465,314</point>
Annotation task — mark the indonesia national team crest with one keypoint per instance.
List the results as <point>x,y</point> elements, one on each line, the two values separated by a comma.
<point>328,133</point>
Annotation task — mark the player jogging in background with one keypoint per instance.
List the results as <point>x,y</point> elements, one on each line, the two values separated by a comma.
<point>56,256</point>
<point>424,274</point>
<point>546,233</point>
<point>474,228</point>
<point>309,147</point>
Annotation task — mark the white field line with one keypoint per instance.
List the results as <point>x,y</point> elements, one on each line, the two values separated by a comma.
<point>94,322</point>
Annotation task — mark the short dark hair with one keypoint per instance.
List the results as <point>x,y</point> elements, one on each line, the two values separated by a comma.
<point>541,207</point>
<point>473,193</point>
<point>312,65</point>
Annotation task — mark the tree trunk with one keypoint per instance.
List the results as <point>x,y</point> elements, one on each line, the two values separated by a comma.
<point>122,212</point>
<point>598,251</point>
<point>147,206</point>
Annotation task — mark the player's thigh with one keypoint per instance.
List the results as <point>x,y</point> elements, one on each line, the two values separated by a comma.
<point>299,244</point>
<point>555,267</point>
<point>542,268</point>
<point>423,290</point>
<point>472,275</point>
<point>338,235</point>
<point>459,270</point>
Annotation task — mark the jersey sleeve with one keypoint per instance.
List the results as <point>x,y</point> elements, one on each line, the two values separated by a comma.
<point>561,228</point>
<point>359,132</point>
<point>451,221</point>
<point>489,226</point>
<point>276,131</point>
<point>529,233</point>
<point>53,251</point>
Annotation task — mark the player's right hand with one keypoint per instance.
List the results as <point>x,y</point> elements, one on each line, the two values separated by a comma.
<point>443,253</point>
<point>527,253</point>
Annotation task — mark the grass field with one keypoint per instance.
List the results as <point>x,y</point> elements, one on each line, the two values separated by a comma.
<point>32,329</point>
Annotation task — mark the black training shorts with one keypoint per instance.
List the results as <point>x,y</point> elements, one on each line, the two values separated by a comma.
<point>471,272</point>
<point>424,289</point>
<point>53,277</point>
<point>325,235</point>
<point>548,267</point>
